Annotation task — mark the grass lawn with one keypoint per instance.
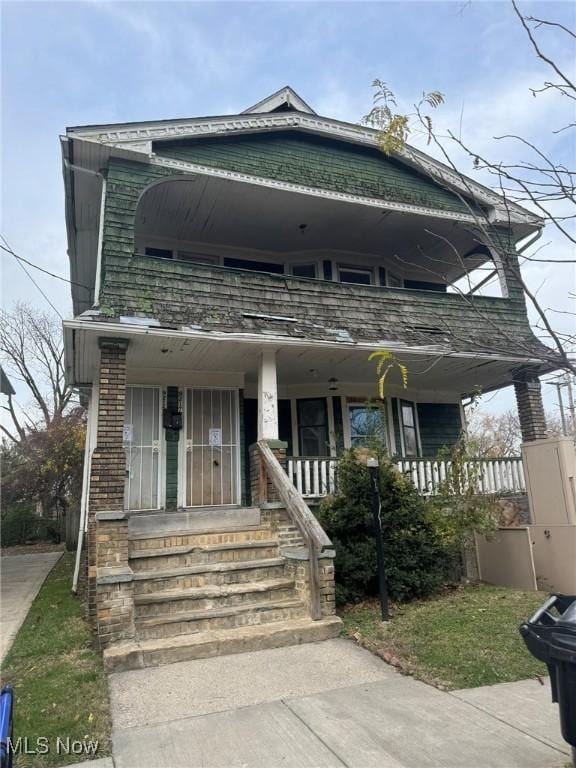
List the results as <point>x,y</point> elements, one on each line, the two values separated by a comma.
<point>60,685</point>
<point>463,638</point>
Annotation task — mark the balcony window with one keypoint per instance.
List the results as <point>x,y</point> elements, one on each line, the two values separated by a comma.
<point>313,427</point>
<point>158,253</point>
<point>304,270</point>
<point>367,425</point>
<point>255,266</point>
<point>356,276</point>
<point>197,258</point>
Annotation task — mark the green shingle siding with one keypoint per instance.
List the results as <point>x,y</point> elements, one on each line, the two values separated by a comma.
<point>316,162</point>
<point>440,427</point>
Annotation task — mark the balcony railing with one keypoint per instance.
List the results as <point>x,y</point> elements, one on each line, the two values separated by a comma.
<point>315,476</point>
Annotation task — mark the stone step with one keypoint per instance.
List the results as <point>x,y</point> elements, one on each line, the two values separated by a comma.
<point>173,557</point>
<point>186,538</point>
<point>152,653</point>
<point>198,519</point>
<point>169,602</point>
<point>228,617</point>
<point>208,574</point>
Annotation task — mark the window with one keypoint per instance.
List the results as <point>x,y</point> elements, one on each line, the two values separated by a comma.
<point>393,281</point>
<point>408,422</point>
<point>158,253</point>
<point>367,424</point>
<point>197,258</point>
<point>422,285</point>
<point>255,266</point>
<point>304,270</point>
<point>313,427</point>
<point>357,276</point>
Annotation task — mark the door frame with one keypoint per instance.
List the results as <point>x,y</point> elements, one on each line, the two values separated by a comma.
<point>183,451</point>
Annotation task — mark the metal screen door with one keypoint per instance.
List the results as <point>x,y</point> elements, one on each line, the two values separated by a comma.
<point>142,445</point>
<point>212,454</point>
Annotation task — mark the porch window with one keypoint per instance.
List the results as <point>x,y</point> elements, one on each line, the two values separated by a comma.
<point>313,427</point>
<point>367,424</point>
<point>357,276</point>
<point>254,266</point>
<point>158,253</point>
<point>409,433</point>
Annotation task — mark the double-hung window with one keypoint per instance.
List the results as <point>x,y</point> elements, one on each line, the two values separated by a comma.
<point>313,435</point>
<point>409,430</point>
<point>367,425</point>
<point>356,276</point>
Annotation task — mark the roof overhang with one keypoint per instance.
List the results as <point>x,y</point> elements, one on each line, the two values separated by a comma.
<point>432,368</point>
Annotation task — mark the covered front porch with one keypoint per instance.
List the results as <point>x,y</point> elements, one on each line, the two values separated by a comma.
<point>194,404</point>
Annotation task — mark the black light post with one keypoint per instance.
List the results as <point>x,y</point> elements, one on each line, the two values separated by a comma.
<point>375,491</point>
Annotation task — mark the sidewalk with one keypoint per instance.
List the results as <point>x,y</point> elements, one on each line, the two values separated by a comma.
<point>21,576</point>
<point>327,704</point>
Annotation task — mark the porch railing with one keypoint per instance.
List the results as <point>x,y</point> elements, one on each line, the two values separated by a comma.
<point>315,476</point>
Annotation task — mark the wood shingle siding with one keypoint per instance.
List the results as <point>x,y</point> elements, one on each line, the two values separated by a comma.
<point>317,162</point>
<point>440,427</point>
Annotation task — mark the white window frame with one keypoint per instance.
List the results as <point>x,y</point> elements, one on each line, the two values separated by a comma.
<point>357,270</point>
<point>414,404</point>
<point>363,404</point>
<point>304,264</point>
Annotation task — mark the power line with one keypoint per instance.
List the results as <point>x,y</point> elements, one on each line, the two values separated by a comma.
<point>9,250</point>
<point>41,269</point>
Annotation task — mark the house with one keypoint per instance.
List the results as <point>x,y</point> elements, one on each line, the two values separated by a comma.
<point>230,277</point>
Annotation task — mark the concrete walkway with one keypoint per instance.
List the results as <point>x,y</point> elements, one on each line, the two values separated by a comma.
<point>21,576</point>
<point>326,704</point>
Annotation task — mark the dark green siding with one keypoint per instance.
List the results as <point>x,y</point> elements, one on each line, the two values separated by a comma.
<point>396,425</point>
<point>440,427</point>
<point>315,161</point>
<point>172,452</point>
<point>338,424</point>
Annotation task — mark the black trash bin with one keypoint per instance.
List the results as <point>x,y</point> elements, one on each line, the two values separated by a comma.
<point>550,635</point>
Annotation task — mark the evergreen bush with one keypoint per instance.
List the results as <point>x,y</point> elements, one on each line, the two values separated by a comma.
<point>417,562</point>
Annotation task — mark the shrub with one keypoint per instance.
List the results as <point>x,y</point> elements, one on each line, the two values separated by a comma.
<point>20,525</point>
<point>416,562</point>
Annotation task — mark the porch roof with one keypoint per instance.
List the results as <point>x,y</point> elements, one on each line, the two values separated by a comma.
<point>156,355</point>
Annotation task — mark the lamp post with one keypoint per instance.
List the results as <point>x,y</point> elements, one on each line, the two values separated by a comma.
<point>376,506</point>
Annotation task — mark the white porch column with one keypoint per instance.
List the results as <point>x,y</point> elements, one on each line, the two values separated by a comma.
<point>267,396</point>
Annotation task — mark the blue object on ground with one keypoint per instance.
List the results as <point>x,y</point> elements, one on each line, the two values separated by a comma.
<point>6,717</point>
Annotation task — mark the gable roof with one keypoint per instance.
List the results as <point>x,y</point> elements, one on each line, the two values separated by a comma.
<point>285,98</point>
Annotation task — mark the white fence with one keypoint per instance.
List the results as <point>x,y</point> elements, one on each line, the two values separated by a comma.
<point>315,477</point>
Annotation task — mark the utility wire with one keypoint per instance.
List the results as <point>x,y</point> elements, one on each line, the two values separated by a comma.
<point>9,250</point>
<point>41,269</point>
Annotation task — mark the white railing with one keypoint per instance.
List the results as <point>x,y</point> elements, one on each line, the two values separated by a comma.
<point>315,476</point>
<point>488,475</point>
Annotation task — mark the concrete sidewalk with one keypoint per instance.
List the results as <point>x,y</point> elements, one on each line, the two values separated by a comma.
<point>324,704</point>
<point>21,576</point>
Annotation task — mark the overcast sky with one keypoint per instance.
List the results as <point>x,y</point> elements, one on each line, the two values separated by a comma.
<point>74,63</point>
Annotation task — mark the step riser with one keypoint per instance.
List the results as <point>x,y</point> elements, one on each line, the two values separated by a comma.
<point>200,557</point>
<point>271,636</point>
<point>223,622</point>
<point>173,607</point>
<point>197,539</point>
<point>216,578</point>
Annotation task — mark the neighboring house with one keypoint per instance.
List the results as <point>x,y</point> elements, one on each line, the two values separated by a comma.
<point>231,276</point>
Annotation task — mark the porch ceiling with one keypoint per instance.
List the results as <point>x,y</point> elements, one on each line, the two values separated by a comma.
<point>158,356</point>
<point>230,213</point>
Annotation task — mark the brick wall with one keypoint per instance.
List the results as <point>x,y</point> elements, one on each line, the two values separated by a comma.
<point>530,407</point>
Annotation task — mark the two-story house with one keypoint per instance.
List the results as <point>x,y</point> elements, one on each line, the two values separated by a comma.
<point>231,276</point>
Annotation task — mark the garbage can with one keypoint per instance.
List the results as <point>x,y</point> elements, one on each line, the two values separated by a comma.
<point>6,721</point>
<point>550,635</point>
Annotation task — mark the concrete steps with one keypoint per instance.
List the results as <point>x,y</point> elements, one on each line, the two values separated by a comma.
<point>226,617</point>
<point>201,645</point>
<point>166,558</point>
<point>168,602</point>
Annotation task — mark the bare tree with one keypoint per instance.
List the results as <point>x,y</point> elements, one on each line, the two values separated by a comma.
<point>32,350</point>
<point>540,182</point>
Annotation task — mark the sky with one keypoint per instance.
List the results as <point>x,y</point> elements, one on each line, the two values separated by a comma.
<point>74,63</point>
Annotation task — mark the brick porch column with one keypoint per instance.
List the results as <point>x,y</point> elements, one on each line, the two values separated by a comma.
<point>107,545</point>
<point>529,401</point>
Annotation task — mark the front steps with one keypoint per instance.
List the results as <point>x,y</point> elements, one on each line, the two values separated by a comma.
<point>202,592</point>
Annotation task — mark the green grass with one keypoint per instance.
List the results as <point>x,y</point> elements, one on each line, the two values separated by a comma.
<point>464,638</point>
<point>60,685</point>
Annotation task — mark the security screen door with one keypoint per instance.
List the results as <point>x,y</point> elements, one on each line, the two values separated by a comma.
<point>142,445</point>
<point>212,453</point>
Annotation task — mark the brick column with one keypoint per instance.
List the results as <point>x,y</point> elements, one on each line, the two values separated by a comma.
<point>530,407</point>
<point>257,473</point>
<point>107,540</point>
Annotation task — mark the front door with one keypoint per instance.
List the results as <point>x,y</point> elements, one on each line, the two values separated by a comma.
<point>212,447</point>
<point>142,446</point>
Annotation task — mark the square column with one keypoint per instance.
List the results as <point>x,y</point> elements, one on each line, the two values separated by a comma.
<point>530,407</point>
<point>267,396</point>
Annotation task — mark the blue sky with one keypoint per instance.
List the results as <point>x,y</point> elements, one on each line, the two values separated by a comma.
<point>74,63</point>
